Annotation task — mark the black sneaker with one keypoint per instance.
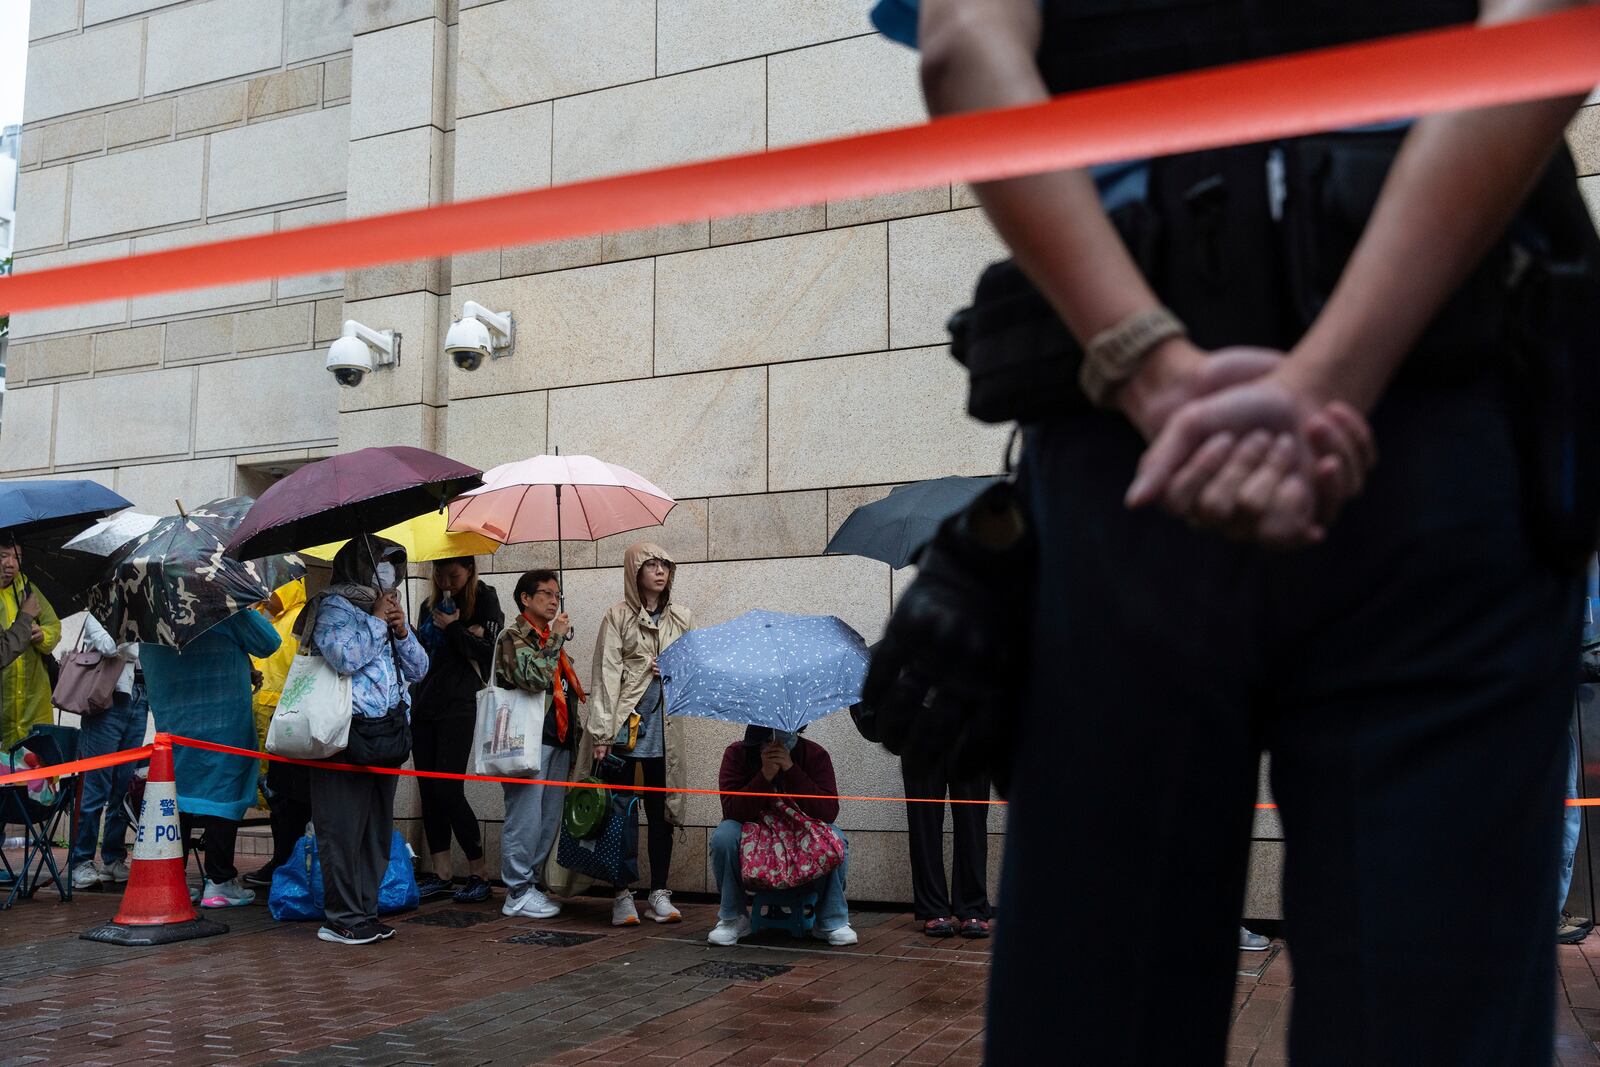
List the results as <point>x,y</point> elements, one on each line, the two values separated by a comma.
<point>261,879</point>
<point>432,886</point>
<point>385,931</point>
<point>476,891</point>
<point>361,934</point>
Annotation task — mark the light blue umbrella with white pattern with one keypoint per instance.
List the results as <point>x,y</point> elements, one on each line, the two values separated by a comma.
<point>765,668</point>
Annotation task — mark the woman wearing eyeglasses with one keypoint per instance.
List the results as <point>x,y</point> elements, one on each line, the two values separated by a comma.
<point>532,656</point>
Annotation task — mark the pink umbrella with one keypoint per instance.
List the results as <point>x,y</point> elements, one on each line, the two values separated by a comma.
<point>524,501</point>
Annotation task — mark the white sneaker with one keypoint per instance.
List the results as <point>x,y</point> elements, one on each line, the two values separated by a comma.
<point>730,931</point>
<point>117,872</point>
<point>623,913</point>
<point>661,909</point>
<point>1250,941</point>
<point>229,894</point>
<point>85,876</point>
<point>531,905</point>
<point>838,938</point>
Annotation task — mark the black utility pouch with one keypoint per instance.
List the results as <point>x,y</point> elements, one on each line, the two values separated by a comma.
<point>1022,362</point>
<point>1198,238</point>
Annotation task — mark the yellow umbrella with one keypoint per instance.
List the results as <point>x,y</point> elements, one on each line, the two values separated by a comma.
<point>423,538</point>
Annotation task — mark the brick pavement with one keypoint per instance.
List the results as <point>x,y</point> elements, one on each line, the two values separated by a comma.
<point>447,993</point>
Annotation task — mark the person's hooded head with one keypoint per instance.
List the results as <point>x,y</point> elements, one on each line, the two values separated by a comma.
<point>368,562</point>
<point>363,570</point>
<point>758,736</point>
<point>287,598</point>
<point>647,565</point>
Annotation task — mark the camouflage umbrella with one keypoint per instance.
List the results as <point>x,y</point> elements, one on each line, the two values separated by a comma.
<point>173,583</point>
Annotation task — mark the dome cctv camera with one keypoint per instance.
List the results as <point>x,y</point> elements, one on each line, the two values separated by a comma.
<point>468,342</point>
<point>477,334</point>
<point>350,357</point>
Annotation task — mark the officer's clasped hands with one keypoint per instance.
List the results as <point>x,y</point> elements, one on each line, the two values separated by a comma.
<point>1241,444</point>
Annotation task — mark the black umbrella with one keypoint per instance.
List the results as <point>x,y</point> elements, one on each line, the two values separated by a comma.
<point>174,583</point>
<point>895,528</point>
<point>62,575</point>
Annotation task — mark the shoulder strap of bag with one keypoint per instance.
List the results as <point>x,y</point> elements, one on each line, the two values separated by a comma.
<point>494,656</point>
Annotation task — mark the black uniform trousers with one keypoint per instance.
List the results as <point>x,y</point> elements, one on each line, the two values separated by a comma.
<point>1412,679</point>
<point>931,896</point>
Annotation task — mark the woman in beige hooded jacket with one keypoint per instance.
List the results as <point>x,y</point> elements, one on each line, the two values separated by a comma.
<point>627,681</point>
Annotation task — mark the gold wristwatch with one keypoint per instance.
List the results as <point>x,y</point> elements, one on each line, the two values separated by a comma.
<point>1114,354</point>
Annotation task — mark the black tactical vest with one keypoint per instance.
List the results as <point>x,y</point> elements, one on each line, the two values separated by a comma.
<point>1100,42</point>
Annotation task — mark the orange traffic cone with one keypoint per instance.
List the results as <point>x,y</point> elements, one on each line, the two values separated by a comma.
<point>156,909</point>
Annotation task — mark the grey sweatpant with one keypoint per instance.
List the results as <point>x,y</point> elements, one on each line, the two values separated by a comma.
<point>354,818</point>
<point>533,819</point>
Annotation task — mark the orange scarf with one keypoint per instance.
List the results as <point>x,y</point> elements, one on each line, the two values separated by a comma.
<point>558,692</point>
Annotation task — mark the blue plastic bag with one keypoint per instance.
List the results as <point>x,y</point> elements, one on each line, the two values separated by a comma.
<point>297,885</point>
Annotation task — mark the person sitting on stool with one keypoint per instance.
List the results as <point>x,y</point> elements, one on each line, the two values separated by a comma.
<point>781,763</point>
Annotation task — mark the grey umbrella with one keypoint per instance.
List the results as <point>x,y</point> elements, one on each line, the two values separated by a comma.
<point>895,528</point>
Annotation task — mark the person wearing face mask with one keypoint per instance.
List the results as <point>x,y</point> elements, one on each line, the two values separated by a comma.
<point>358,626</point>
<point>205,692</point>
<point>456,625</point>
<point>768,762</point>
<point>627,718</point>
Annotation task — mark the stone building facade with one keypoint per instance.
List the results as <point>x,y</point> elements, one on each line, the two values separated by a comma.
<point>771,372</point>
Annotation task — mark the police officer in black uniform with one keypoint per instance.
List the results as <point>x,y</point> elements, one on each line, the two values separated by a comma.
<point>1407,666</point>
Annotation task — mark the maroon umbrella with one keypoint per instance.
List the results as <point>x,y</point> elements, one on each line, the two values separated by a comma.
<point>339,497</point>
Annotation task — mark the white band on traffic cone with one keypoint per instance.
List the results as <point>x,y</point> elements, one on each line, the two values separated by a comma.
<point>159,837</point>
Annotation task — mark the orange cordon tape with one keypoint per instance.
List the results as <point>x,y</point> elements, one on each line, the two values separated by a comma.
<point>132,755</point>
<point>78,766</point>
<point>1399,77</point>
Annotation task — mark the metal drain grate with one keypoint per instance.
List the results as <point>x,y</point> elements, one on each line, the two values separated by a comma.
<point>552,938</point>
<point>737,972</point>
<point>454,919</point>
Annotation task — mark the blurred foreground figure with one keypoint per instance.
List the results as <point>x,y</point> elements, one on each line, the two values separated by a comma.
<point>1245,330</point>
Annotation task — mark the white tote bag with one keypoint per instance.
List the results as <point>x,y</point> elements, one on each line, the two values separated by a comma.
<point>312,720</point>
<point>509,730</point>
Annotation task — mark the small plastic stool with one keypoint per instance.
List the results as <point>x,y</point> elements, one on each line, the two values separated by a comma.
<point>794,910</point>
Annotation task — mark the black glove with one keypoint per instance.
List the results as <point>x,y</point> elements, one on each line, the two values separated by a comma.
<point>946,682</point>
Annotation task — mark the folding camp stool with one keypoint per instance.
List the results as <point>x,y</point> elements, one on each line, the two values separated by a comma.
<point>794,910</point>
<point>40,821</point>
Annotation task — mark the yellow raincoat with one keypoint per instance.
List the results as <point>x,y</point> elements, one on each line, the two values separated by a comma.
<point>24,685</point>
<point>275,668</point>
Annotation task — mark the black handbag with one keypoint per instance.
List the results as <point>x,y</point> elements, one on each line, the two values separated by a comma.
<point>382,740</point>
<point>379,740</point>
